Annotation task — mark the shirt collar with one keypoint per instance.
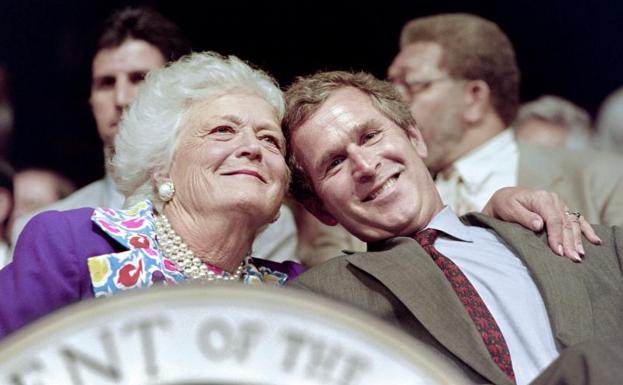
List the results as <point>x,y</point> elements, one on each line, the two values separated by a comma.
<point>470,166</point>
<point>133,228</point>
<point>447,222</point>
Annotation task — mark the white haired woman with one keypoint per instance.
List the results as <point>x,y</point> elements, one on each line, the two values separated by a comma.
<point>199,157</point>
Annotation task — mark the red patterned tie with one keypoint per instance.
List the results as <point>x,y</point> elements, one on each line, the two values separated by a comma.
<point>476,308</point>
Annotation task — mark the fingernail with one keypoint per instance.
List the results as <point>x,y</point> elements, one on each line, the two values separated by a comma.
<point>577,258</point>
<point>580,249</point>
<point>537,224</point>
<point>599,241</point>
<point>560,252</point>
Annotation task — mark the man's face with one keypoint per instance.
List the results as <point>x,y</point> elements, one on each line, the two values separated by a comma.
<point>367,171</point>
<point>117,72</point>
<point>542,132</point>
<point>434,98</point>
<point>34,189</point>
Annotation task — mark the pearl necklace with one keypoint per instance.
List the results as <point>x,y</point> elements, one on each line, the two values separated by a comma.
<point>184,259</point>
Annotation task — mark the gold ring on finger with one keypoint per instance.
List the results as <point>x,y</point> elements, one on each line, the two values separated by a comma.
<point>576,214</point>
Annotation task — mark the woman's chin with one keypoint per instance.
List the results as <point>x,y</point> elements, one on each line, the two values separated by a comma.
<point>257,209</point>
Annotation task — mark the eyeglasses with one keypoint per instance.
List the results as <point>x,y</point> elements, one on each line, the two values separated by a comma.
<point>409,88</point>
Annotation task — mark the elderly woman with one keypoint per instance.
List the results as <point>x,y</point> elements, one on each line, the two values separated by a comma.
<point>200,159</point>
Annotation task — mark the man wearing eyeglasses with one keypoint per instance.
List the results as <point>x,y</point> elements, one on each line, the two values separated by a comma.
<point>459,76</point>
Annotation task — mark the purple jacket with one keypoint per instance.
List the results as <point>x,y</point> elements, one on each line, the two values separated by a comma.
<point>49,268</point>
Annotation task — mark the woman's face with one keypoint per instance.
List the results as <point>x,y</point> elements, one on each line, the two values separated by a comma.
<point>230,157</point>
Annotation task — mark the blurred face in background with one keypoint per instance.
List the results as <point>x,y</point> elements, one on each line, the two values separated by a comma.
<point>34,189</point>
<point>542,132</point>
<point>435,100</point>
<point>116,75</point>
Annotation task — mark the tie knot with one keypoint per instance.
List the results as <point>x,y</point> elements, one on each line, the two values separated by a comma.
<point>426,237</point>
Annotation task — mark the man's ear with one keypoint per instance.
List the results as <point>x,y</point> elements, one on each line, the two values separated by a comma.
<point>417,141</point>
<point>317,208</point>
<point>477,100</point>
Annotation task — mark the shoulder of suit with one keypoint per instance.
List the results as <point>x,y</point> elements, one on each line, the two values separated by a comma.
<point>481,220</point>
<point>587,157</point>
<point>330,268</point>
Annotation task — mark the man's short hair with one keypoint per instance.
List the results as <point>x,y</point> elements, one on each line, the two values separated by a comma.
<point>307,95</point>
<point>473,48</point>
<point>143,23</point>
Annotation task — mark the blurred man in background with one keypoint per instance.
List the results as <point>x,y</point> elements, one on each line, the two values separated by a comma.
<point>35,188</point>
<point>555,122</point>
<point>133,41</point>
<point>459,76</point>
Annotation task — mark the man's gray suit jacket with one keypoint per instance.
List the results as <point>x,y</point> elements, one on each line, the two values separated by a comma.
<point>590,182</point>
<point>397,281</point>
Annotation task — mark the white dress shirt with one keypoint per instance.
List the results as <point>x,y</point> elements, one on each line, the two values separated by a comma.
<point>506,287</point>
<point>471,181</point>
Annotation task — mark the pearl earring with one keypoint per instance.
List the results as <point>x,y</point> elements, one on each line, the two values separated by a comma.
<point>166,190</point>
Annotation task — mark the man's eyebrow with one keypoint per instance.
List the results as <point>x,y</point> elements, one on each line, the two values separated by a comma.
<point>366,126</point>
<point>326,158</point>
<point>354,133</point>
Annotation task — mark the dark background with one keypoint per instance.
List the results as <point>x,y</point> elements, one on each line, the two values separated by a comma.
<point>569,48</point>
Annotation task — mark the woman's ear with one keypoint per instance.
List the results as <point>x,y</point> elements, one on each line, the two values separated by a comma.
<point>159,177</point>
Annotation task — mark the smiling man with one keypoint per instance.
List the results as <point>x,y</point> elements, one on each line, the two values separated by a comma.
<point>488,295</point>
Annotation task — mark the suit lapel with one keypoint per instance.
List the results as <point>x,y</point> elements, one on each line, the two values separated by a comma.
<point>411,275</point>
<point>563,291</point>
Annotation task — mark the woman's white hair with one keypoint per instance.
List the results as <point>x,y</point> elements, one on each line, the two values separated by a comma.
<point>147,138</point>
